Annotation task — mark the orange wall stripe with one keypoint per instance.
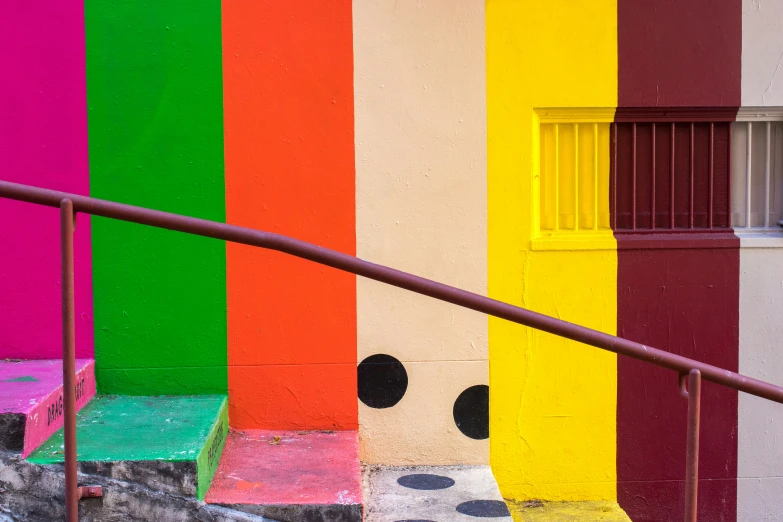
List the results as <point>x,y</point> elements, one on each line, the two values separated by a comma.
<point>289,153</point>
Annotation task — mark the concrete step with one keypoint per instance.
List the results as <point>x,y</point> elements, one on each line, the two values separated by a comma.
<point>290,476</point>
<point>432,493</point>
<point>166,443</point>
<point>31,400</point>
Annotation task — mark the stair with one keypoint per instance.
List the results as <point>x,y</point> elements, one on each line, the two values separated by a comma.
<point>31,400</point>
<point>169,444</point>
<point>291,476</point>
<point>173,458</point>
<point>432,493</point>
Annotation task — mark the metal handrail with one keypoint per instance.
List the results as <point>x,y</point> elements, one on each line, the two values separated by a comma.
<point>71,204</point>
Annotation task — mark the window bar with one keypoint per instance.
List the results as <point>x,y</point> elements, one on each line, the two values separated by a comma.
<point>728,178</point>
<point>776,130</point>
<point>712,171</point>
<point>652,188</point>
<point>613,174</point>
<point>576,176</point>
<point>557,177</point>
<point>671,179</point>
<point>633,179</point>
<point>767,175</point>
<point>748,176</point>
<point>690,207</point>
<point>595,176</point>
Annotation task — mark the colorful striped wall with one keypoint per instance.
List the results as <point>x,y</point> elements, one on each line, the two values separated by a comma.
<point>288,88</point>
<point>759,460</point>
<point>615,163</point>
<point>679,291</point>
<point>561,439</point>
<point>421,207</point>
<point>43,141</point>
<point>154,96</point>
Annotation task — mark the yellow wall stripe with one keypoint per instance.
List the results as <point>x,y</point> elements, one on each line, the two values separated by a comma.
<point>552,409</point>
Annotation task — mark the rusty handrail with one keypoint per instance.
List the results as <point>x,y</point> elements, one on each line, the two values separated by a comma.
<point>271,241</point>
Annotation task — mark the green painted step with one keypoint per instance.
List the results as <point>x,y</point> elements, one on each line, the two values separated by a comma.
<point>171,443</point>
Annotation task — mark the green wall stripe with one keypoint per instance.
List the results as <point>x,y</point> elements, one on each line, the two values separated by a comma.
<point>154,94</point>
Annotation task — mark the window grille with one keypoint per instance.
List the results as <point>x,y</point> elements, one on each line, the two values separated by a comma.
<point>573,173</point>
<point>757,171</point>
<point>670,175</point>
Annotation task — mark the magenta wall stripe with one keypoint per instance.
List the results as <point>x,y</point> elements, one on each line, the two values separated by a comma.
<point>43,141</point>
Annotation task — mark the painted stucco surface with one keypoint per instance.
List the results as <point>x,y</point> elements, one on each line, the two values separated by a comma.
<point>683,300</point>
<point>421,207</point>
<point>446,106</point>
<point>43,142</point>
<point>674,53</point>
<point>762,53</point>
<point>760,462</point>
<point>156,140</point>
<point>290,169</point>
<point>552,407</point>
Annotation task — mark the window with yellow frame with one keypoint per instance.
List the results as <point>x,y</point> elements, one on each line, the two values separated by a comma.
<point>571,178</point>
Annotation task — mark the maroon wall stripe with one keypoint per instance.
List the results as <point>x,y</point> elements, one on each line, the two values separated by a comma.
<point>676,52</point>
<point>678,289</point>
<point>684,300</point>
<point>678,260</point>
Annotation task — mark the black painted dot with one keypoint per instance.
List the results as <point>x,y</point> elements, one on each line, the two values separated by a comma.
<point>471,412</point>
<point>484,509</point>
<point>382,381</point>
<point>425,481</point>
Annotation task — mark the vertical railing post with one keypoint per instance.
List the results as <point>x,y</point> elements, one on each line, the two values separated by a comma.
<point>693,393</point>
<point>69,362</point>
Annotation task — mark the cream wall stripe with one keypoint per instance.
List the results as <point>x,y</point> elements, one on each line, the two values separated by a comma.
<point>420,112</point>
<point>762,52</point>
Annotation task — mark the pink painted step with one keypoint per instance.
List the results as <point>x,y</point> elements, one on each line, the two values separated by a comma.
<point>31,400</point>
<point>289,475</point>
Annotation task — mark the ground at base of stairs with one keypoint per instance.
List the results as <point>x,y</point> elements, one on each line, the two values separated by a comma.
<point>432,493</point>
<point>594,511</point>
